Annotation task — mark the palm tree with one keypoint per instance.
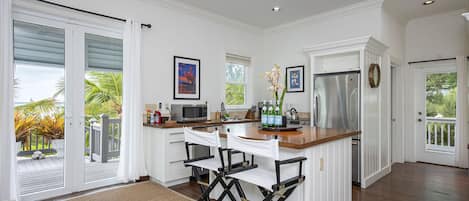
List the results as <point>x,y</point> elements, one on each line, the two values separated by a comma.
<point>43,106</point>
<point>100,88</point>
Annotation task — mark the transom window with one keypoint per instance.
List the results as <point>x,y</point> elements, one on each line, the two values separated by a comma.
<point>236,80</point>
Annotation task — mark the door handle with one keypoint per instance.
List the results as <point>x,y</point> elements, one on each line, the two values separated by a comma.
<point>419,120</point>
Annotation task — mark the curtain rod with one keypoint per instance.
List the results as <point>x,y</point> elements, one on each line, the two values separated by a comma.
<point>89,12</point>
<point>426,61</point>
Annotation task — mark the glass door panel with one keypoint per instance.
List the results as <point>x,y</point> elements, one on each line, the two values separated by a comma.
<point>435,106</point>
<point>103,106</point>
<point>39,55</point>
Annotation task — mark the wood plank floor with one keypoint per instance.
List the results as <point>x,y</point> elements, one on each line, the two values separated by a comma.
<point>46,174</point>
<point>407,182</point>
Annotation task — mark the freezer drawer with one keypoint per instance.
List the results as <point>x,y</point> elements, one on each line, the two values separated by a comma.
<point>356,170</point>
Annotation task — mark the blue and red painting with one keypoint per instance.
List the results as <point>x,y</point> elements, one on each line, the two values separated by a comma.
<point>187,78</point>
<point>295,79</point>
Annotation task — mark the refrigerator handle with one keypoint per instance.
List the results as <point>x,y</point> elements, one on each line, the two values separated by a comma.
<point>316,110</point>
<point>317,107</point>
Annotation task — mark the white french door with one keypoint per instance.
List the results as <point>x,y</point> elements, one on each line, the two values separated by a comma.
<point>92,57</point>
<point>435,112</point>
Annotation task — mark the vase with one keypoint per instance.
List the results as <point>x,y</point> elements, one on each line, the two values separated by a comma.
<point>284,121</point>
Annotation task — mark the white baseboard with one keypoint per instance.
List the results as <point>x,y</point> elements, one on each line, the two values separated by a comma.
<point>375,177</point>
<point>169,183</point>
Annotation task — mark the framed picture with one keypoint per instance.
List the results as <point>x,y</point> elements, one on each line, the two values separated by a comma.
<point>186,83</point>
<point>295,79</point>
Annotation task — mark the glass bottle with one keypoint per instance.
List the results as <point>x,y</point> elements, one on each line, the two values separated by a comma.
<point>277,115</point>
<point>270,114</point>
<point>264,115</point>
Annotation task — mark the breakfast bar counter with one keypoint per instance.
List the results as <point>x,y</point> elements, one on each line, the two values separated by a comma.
<point>327,170</point>
<point>304,137</point>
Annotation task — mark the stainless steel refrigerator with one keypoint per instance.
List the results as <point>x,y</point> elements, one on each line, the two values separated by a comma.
<point>336,104</point>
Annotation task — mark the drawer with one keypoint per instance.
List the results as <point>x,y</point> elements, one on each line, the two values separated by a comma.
<point>176,170</point>
<point>176,135</point>
<point>176,150</point>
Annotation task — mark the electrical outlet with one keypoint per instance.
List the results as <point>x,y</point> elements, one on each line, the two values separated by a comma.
<point>321,164</point>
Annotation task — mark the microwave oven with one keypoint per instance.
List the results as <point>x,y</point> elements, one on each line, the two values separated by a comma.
<point>189,112</point>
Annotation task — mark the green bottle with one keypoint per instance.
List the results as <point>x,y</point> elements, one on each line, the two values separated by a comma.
<point>277,115</point>
<point>264,115</point>
<point>271,114</point>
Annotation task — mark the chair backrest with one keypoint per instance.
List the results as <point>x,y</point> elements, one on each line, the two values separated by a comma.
<point>209,139</point>
<point>265,148</point>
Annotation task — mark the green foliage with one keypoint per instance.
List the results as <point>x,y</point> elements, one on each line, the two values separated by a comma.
<point>39,107</point>
<point>103,94</point>
<point>441,94</point>
<point>234,94</point>
<point>104,87</point>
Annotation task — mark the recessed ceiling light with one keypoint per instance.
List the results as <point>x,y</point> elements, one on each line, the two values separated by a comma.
<point>276,9</point>
<point>429,2</point>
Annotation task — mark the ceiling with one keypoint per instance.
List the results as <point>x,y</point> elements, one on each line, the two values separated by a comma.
<point>411,9</point>
<point>259,12</point>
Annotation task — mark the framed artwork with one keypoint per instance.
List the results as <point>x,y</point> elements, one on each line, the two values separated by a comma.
<point>186,84</point>
<point>295,78</point>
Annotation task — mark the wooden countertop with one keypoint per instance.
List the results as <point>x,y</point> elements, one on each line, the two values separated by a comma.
<point>205,123</point>
<point>301,139</point>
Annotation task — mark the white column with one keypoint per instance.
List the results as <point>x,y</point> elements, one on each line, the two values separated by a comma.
<point>462,113</point>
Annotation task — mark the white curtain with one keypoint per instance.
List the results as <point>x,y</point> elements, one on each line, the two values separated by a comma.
<point>8,184</point>
<point>132,163</point>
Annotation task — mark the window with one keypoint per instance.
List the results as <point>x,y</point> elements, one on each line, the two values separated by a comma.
<point>236,80</point>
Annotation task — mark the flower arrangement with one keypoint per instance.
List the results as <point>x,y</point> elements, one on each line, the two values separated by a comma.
<point>277,89</point>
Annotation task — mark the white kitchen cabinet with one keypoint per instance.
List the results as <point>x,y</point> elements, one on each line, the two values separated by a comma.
<point>341,62</point>
<point>165,153</point>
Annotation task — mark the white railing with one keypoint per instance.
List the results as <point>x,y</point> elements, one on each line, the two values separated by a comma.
<point>440,134</point>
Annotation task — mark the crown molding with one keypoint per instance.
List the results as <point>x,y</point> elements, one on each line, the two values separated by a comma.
<point>466,15</point>
<point>359,43</point>
<point>340,12</point>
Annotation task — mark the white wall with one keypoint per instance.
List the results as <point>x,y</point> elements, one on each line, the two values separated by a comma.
<point>284,45</point>
<point>436,37</point>
<point>183,32</point>
<point>393,34</point>
<point>433,37</point>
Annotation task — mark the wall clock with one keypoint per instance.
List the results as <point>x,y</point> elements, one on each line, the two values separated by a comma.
<point>374,75</point>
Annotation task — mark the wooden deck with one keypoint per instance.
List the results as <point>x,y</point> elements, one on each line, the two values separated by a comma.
<point>46,174</point>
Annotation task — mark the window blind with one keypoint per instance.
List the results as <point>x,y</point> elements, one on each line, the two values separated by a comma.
<point>237,59</point>
<point>103,53</point>
<point>38,44</point>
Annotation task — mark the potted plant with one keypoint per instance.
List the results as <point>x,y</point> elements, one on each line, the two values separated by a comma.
<point>277,88</point>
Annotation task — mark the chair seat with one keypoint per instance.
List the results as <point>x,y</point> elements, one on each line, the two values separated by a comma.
<point>264,177</point>
<point>210,164</point>
<point>257,176</point>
